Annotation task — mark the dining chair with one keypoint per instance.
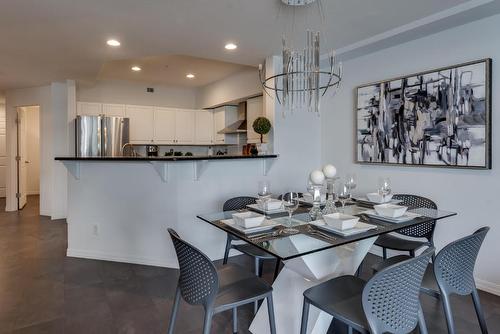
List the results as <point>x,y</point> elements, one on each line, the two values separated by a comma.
<point>424,231</point>
<point>238,203</point>
<point>453,273</point>
<point>388,302</point>
<point>287,195</point>
<point>200,283</point>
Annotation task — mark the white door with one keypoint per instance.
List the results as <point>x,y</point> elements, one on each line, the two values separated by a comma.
<point>88,108</point>
<point>184,126</point>
<point>255,108</point>
<point>204,129</point>
<point>141,124</point>
<point>219,124</point>
<point>117,110</point>
<point>22,168</point>
<point>164,125</point>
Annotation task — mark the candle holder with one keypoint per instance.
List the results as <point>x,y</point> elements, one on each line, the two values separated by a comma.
<point>315,212</point>
<point>330,206</point>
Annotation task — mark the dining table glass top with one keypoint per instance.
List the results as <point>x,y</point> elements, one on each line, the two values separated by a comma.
<point>310,238</point>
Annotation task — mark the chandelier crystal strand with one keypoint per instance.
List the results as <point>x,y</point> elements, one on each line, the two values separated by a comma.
<point>301,83</point>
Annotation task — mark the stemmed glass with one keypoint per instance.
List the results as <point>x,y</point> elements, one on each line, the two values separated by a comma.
<point>384,187</point>
<point>350,182</point>
<point>290,203</point>
<point>343,193</point>
<point>264,191</point>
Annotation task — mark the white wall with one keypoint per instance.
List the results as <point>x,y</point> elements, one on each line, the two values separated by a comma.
<point>128,92</point>
<point>471,193</point>
<point>3,148</point>
<point>237,86</point>
<point>33,152</point>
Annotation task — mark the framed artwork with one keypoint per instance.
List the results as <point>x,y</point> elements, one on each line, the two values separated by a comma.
<point>438,118</point>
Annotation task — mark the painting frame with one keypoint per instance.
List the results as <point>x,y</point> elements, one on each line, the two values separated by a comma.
<point>487,126</point>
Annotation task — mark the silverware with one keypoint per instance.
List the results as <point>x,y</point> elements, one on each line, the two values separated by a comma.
<point>265,235</point>
<point>312,230</point>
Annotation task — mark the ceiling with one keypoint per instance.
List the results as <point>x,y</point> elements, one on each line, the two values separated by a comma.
<point>50,40</point>
<point>170,70</point>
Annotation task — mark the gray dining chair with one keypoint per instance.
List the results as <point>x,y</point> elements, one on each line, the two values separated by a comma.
<point>453,273</point>
<point>388,302</point>
<point>200,283</point>
<point>424,231</point>
<point>239,203</point>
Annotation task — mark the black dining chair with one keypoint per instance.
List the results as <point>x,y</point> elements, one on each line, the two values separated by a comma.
<point>423,231</point>
<point>452,273</point>
<point>200,283</point>
<point>388,302</point>
<point>239,203</point>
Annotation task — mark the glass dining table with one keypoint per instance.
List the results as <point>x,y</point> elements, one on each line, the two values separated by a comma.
<point>312,256</point>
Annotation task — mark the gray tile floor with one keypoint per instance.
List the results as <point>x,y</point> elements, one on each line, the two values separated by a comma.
<point>43,291</point>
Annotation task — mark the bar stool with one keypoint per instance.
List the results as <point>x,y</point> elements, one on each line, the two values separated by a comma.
<point>239,203</point>
<point>452,273</point>
<point>388,302</point>
<point>200,283</point>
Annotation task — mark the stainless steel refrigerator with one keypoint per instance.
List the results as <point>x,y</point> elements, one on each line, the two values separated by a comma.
<point>101,136</point>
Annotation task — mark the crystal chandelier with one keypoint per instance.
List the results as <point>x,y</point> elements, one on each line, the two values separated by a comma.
<point>302,83</point>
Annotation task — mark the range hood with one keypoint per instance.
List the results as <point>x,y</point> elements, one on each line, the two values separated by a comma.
<point>237,127</point>
<point>240,126</point>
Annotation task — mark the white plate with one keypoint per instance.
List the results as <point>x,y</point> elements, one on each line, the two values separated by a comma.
<point>366,201</point>
<point>360,227</point>
<point>404,218</point>
<point>257,208</point>
<point>310,200</point>
<point>266,225</point>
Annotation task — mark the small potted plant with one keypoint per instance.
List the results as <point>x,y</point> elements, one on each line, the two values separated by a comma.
<point>262,126</point>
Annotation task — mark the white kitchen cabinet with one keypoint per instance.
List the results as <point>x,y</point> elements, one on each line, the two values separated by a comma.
<point>185,126</point>
<point>255,109</point>
<point>204,127</point>
<point>142,124</point>
<point>117,110</point>
<point>224,116</point>
<point>164,125</point>
<point>88,108</point>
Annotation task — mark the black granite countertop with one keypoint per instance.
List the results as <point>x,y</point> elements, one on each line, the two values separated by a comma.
<point>169,158</point>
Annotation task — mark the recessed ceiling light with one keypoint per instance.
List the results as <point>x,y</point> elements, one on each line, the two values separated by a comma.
<point>113,42</point>
<point>231,46</point>
<point>136,68</point>
<point>190,76</point>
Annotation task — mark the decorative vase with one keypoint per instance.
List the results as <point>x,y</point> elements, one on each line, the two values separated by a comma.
<point>262,148</point>
<point>315,213</point>
<point>330,206</point>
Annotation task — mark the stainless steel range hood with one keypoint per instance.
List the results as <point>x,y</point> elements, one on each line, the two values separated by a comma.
<point>240,126</point>
<point>237,127</point>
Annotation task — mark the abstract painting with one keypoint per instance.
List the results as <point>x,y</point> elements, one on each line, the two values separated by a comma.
<point>439,118</point>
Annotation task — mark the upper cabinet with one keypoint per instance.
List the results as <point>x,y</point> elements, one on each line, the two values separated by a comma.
<point>88,108</point>
<point>224,116</point>
<point>117,110</point>
<point>142,123</point>
<point>185,127</point>
<point>255,109</point>
<point>164,125</point>
<point>204,127</point>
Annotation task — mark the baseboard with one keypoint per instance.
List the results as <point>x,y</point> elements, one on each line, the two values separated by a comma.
<point>493,288</point>
<point>85,254</point>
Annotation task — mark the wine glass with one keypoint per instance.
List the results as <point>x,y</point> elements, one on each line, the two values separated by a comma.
<point>290,203</point>
<point>384,187</point>
<point>350,182</point>
<point>343,193</point>
<point>264,191</point>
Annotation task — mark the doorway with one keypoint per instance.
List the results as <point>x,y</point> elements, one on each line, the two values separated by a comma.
<point>28,154</point>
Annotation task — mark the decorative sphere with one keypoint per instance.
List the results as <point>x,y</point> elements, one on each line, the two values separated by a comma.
<point>330,171</point>
<point>317,177</point>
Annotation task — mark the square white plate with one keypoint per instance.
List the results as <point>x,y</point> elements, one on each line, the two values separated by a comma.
<point>266,225</point>
<point>360,227</point>
<point>257,208</point>
<point>404,218</point>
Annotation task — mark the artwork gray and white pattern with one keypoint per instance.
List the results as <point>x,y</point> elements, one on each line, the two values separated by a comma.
<point>435,118</point>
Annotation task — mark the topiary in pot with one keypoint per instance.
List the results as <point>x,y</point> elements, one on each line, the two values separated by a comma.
<point>262,126</point>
